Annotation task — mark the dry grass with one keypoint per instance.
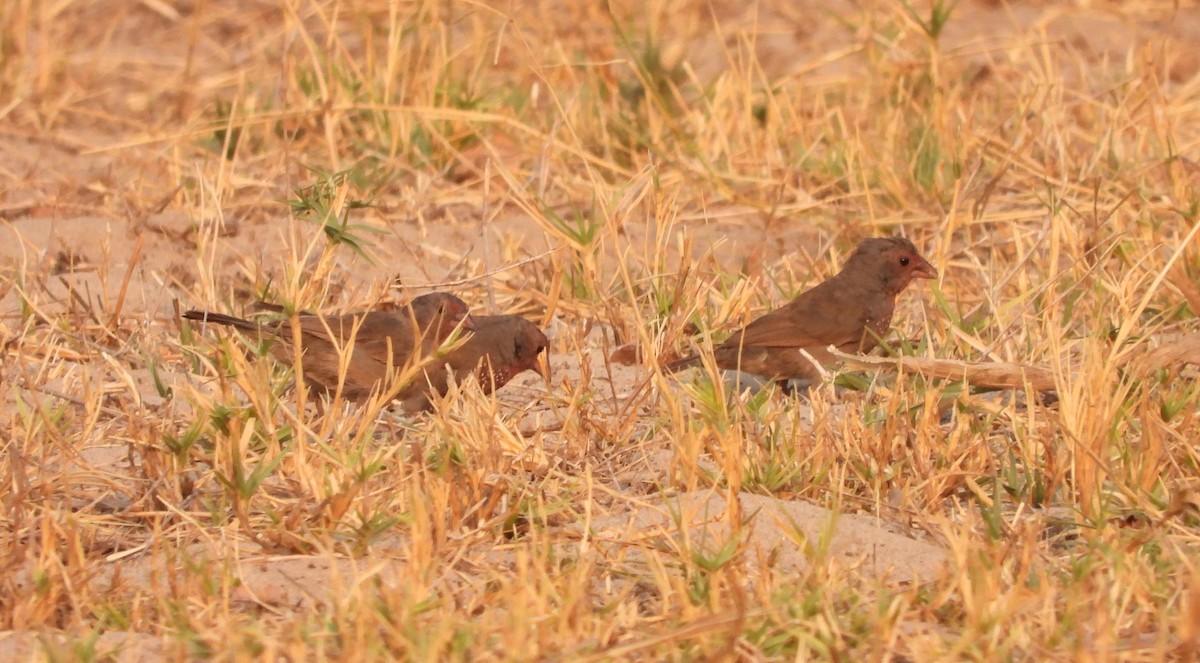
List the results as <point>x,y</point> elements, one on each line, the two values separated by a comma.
<point>622,172</point>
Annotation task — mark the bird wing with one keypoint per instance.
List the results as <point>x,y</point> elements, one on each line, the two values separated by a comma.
<point>819,317</point>
<point>383,335</point>
<point>315,330</point>
<point>373,334</point>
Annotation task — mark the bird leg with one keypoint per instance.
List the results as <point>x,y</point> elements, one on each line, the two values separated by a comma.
<point>794,388</point>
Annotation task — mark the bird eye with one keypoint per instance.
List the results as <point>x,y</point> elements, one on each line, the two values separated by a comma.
<point>904,261</point>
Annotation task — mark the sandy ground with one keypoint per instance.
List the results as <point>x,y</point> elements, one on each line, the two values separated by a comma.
<point>92,222</point>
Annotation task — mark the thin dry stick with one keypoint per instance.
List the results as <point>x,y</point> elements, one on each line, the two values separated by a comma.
<point>487,274</point>
<point>489,285</point>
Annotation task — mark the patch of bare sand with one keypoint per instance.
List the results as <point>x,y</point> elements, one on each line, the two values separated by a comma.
<point>789,533</point>
<point>113,646</point>
<point>828,41</point>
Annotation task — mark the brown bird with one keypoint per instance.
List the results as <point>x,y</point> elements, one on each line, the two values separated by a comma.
<point>850,311</point>
<point>501,347</point>
<point>383,340</point>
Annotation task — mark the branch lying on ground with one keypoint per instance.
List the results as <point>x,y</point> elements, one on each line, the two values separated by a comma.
<point>1002,375</point>
<point>1184,350</point>
<point>994,374</point>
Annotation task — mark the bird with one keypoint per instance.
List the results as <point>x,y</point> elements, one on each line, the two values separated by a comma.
<point>382,341</point>
<point>500,348</point>
<point>851,311</point>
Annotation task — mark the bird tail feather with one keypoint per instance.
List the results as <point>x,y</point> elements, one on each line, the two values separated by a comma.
<point>221,319</point>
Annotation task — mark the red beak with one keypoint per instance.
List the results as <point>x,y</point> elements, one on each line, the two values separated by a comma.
<point>924,270</point>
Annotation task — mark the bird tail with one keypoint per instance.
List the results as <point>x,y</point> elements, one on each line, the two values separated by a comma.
<point>681,364</point>
<point>221,319</point>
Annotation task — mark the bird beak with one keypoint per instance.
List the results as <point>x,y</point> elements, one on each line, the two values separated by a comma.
<point>542,365</point>
<point>924,270</point>
<point>467,322</point>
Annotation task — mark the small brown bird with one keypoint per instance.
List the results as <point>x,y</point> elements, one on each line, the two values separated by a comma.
<point>850,311</point>
<point>383,340</point>
<point>501,347</point>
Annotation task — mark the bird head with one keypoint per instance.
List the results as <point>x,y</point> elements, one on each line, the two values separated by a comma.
<point>442,312</point>
<point>530,351</point>
<point>513,345</point>
<point>893,260</point>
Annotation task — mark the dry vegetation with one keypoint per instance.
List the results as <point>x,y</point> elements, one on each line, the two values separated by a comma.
<point>624,173</point>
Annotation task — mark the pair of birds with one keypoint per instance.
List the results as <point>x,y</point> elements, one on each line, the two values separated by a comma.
<point>357,351</point>
<point>850,311</point>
